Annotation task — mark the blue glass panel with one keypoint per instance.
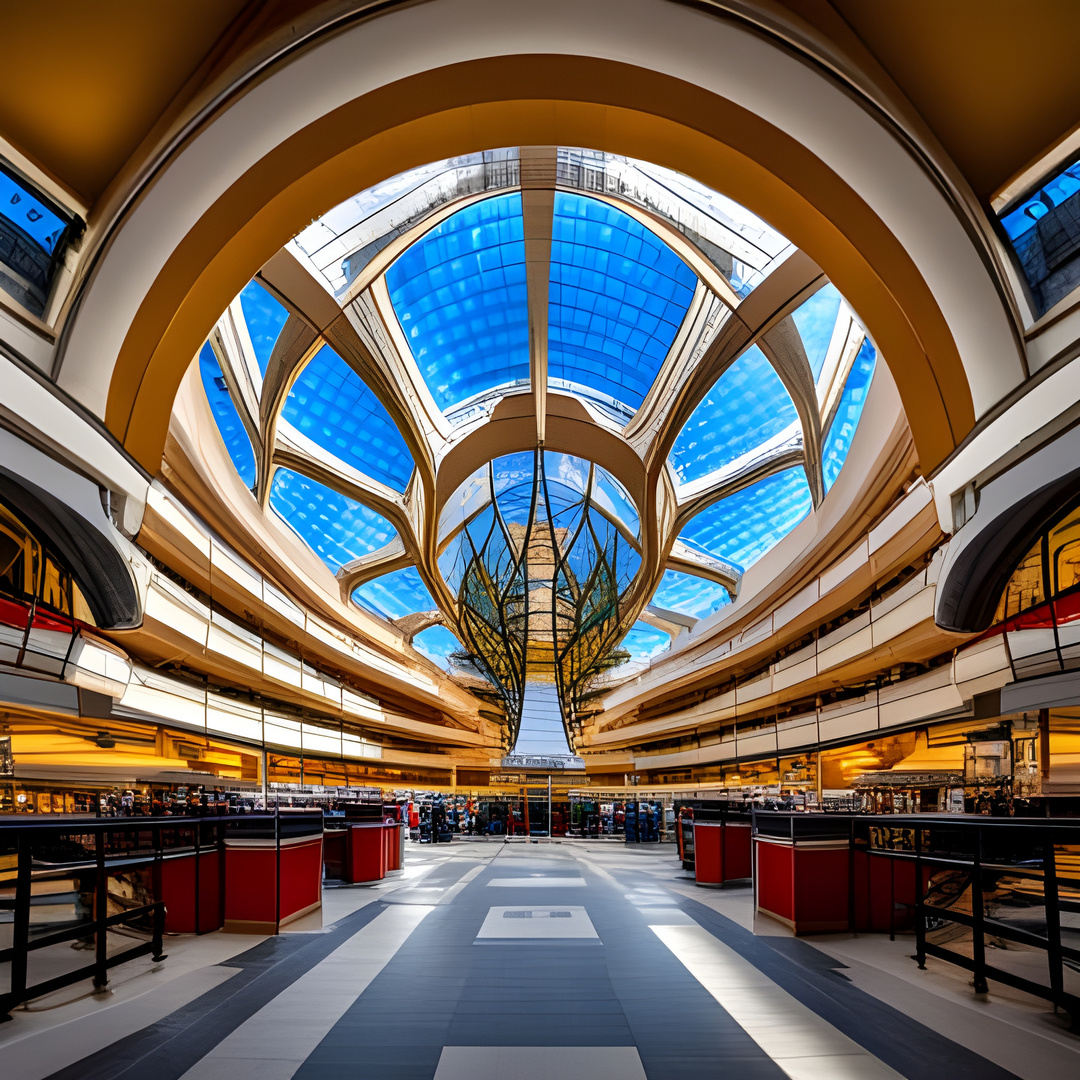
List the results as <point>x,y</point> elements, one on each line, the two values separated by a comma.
<point>746,407</point>
<point>393,596</point>
<point>437,643</point>
<point>617,297</point>
<point>815,320</point>
<point>842,430</point>
<point>336,528</point>
<point>609,494</point>
<point>331,406</point>
<point>233,432</point>
<point>643,642</point>
<point>690,595</point>
<point>459,294</point>
<point>744,526</point>
<point>1043,231</point>
<point>264,317</point>
<point>29,214</point>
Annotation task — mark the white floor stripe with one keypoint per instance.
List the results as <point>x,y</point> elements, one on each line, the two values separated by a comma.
<point>276,1041</point>
<point>536,882</point>
<point>540,1063</point>
<point>804,1045</point>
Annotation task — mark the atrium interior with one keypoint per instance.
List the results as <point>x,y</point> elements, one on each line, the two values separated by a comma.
<point>540,540</point>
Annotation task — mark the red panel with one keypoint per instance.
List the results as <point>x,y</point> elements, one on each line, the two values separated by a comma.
<point>821,882</point>
<point>393,847</point>
<point>708,848</point>
<point>301,876</point>
<point>250,879</point>
<point>775,879</point>
<point>881,882</point>
<point>738,857</point>
<point>211,916</point>
<point>178,892</point>
<point>366,855</point>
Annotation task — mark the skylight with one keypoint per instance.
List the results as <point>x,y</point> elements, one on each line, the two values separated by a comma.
<point>331,406</point>
<point>229,424</point>
<point>618,296</point>
<point>687,594</point>
<point>747,406</point>
<point>837,443</point>
<point>744,526</point>
<point>816,320</point>
<point>395,595</point>
<point>459,293</point>
<point>265,317</point>
<point>338,529</point>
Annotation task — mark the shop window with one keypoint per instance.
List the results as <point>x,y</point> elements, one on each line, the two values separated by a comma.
<point>34,233</point>
<point>1025,589</point>
<point>1065,552</point>
<point>29,571</point>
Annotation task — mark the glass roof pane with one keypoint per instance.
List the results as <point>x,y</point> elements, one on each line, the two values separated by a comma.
<point>815,320</point>
<point>643,642</point>
<point>331,406</point>
<point>393,596</point>
<point>617,297</point>
<point>264,317</point>
<point>231,428</point>
<point>744,526</point>
<point>612,497</point>
<point>690,595</point>
<point>336,528</point>
<point>437,644</point>
<point>459,294</point>
<point>842,430</point>
<point>745,408</point>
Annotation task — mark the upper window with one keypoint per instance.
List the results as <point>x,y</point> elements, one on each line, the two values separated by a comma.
<point>618,296</point>
<point>33,234</point>
<point>1045,233</point>
<point>459,294</point>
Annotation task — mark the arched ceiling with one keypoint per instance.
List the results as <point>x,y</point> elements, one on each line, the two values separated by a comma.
<point>248,178</point>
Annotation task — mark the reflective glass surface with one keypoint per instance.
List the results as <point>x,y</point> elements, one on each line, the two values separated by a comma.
<point>331,406</point>
<point>336,528</point>
<point>29,214</point>
<point>393,596</point>
<point>815,320</point>
<point>264,317</point>
<point>690,595</point>
<point>232,430</point>
<point>643,642</point>
<point>746,407</point>
<point>837,443</point>
<point>744,526</point>
<point>618,295</point>
<point>437,644</point>
<point>459,294</point>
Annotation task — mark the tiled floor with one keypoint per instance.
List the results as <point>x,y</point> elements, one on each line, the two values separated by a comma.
<point>533,961</point>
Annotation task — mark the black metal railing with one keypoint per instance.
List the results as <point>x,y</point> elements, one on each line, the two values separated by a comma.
<point>104,862</point>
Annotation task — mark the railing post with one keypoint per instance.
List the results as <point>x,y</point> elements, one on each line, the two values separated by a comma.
<point>1053,917</point>
<point>21,935</point>
<point>101,931</point>
<point>978,933</point>
<point>920,912</point>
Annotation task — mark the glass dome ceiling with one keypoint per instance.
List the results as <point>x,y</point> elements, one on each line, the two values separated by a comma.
<point>463,294</point>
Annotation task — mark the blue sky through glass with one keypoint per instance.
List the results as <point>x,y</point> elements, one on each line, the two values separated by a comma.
<point>815,320</point>
<point>617,297</point>
<point>395,595</point>
<point>842,430</point>
<point>336,528</point>
<point>331,406</point>
<point>690,595</point>
<point>643,642</point>
<point>1053,193</point>
<point>232,430</point>
<point>437,643</point>
<point>744,526</point>
<point>264,317</point>
<point>746,407</point>
<point>459,294</point>
<point>29,213</point>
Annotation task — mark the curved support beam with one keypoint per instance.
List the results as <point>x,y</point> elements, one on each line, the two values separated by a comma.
<point>1012,511</point>
<point>687,561</point>
<point>360,571</point>
<point>418,622</point>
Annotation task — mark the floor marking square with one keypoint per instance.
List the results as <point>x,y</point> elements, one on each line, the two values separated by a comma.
<point>562,922</point>
<point>540,1063</point>
<point>539,881</point>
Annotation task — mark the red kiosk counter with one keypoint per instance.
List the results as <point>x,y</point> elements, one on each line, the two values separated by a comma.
<point>722,848</point>
<point>273,870</point>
